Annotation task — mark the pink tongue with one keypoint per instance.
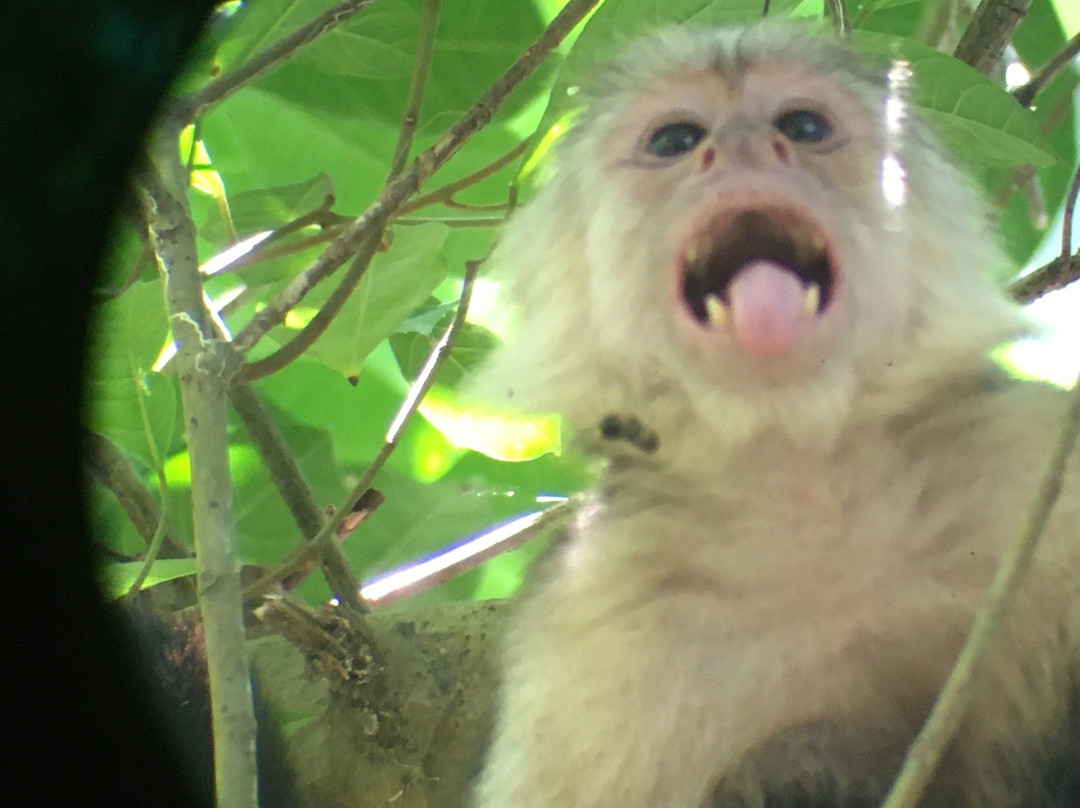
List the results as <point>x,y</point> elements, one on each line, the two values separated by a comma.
<point>766,308</point>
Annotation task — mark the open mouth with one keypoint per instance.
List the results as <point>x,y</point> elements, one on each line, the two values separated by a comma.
<point>763,274</point>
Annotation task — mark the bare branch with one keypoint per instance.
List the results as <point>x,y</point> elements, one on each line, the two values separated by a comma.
<point>1053,276</point>
<point>314,548</point>
<point>318,324</point>
<point>113,470</point>
<point>1067,220</point>
<point>374,219</point>
<point>1026,95</point>
<point>458,222</point>
<point>187,108</point>
<point>446,193</point>
<point>989,32</point>
<point>294,490</point>
<point>278,460</point>
<point>205,366</point>
<point>425,49</point>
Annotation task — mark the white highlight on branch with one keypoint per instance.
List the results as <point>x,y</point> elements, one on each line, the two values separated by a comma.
<point>466,554</point>
<point>223,259</point>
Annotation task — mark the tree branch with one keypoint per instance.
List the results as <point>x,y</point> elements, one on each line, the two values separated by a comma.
<point>374,219</point>
<point>317,325</point>
<point>1055,275</point>
<point>294,490</point>
<point>425,49</point>
<point>113,470</point>
<point>314,548</point>
<point>1067,219</point>
<point>189,107</point>
<point>205,366</point>
<point>1026,95</point>
<point>989,32</point>
<point>446,193</point>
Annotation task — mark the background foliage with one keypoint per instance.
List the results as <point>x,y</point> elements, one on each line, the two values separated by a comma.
<point>313,140</point>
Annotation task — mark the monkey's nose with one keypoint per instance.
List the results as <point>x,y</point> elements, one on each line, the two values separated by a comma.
<point>747,149</point>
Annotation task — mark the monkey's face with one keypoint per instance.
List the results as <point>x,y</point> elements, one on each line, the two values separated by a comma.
<point>745,229</point>
<point>756,188</point>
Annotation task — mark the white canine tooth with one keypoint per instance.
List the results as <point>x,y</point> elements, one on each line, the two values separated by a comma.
<point>812,299</point>
<point>716,311</point>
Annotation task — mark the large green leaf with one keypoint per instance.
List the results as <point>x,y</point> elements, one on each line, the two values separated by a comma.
<point>972,114</point>
<point>261,140</point>
<point>126,401</point>
<point>355,415</point>
<point>398,281</point>
<point>474,344</point>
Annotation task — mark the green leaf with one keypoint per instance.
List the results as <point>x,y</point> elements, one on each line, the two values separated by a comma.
<point>503,435</point>
<point>259,139</point>
<point>315,395</point>
<point>397,282</point>
<point>974,116</point>
<point>261,209</point>
<point>117,577</point>
<point>474,344</point>
<point>126,402</point>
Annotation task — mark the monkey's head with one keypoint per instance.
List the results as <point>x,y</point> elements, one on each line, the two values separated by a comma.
<point>745,229</point>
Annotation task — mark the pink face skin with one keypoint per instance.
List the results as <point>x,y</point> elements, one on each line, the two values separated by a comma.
<point>743,162</point>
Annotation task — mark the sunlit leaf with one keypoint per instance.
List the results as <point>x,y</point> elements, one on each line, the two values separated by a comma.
<point>117,577</point>
<point>975,116</point>
<point>501,435</point>
<point>397,282</point>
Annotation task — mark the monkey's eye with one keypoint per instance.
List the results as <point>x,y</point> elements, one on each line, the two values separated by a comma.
<point>674,139</point>
<point>804,126</point>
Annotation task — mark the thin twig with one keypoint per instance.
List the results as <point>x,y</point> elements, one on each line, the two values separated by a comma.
<point>374,219</point>
<point>261,254</point>
<point>1026,94</point>
<point>314,548</point>
<point>136,271</point>
<point>330,222</point>
<point>954,700</point>
<point>989,31</point>
<point>836,10</point>
<point>494,207</point>
<point>1067,218</point>
<point>425,50</point>
<point>1055,275</point>
<point>496,221</point>
<point>294,490</point>
<point>111,467</point>
<point>189,107</point>
<point>446,193</point>
<point>278,460</point>
<point>317,325</point>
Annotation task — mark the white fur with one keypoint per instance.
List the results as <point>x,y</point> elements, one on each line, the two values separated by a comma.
<point>811,539</point>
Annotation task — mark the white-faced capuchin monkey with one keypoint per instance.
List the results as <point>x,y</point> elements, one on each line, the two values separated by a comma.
<point>769,296</point>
